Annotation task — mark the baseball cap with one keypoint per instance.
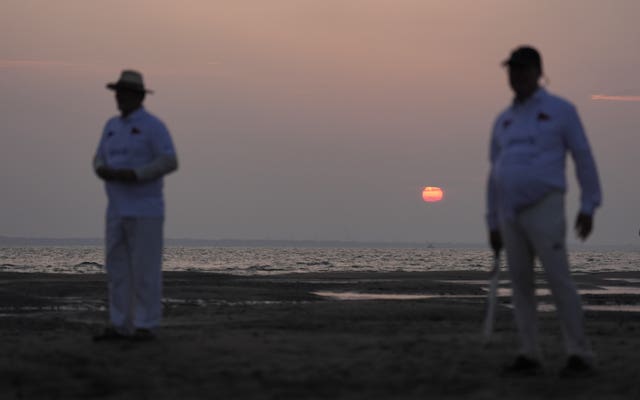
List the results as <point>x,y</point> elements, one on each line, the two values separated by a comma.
<point>524,56</point>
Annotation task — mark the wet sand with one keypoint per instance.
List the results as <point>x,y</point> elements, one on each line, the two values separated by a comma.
<point>270,337</point>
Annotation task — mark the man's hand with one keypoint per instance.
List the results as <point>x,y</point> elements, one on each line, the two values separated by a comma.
<point>495,240</point>
<point>122,175</point>
<point>125,175</point>
<point>105,173</point>
<point>584,225</point>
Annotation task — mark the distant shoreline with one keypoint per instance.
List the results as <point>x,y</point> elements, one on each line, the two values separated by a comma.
<point>15,241</point>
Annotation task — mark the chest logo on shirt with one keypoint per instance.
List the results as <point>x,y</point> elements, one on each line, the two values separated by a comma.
<point>506,123</point>
<point>109,134</point>
<point>135,131</point>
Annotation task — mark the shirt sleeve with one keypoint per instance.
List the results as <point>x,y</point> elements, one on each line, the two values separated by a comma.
<point>586,171</point>
<point>164,155</point>
<point>99,158</point>
<point>492,196</point>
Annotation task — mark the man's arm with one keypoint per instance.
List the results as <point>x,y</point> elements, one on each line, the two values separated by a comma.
<point>165,160</point>
<point>100,167</point>
<point>109,174</point>
<point>161,165</point>
<point>586,173</point>
<point>99,162</point>
<point>495,239</point>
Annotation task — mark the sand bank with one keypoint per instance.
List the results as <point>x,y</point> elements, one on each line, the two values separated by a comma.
<point>228,337</point>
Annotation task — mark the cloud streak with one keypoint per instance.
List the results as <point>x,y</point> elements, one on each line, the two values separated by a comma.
<point>34,63</point>
<point>604,97</point>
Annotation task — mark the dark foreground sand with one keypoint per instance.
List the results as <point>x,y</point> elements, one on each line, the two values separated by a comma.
<point>228,337</point>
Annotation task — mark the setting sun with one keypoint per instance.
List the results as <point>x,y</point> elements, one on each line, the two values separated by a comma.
<point>432,194</point>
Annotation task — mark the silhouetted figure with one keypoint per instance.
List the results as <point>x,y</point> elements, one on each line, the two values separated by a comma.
<point>526,187</point>
<point>134,153</point>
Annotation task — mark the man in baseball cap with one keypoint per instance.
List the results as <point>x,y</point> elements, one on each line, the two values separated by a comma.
<point>525,206</point>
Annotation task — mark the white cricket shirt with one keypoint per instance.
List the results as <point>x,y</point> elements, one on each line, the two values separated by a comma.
<point>136,142</point>
<point>529,145</point>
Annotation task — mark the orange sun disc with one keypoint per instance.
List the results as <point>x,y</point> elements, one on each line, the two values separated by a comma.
<point>432,194</point>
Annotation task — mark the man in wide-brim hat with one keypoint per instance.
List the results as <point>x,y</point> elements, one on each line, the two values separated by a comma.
<point>134,154</point>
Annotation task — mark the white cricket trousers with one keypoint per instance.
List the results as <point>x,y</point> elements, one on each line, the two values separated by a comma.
<point>134,271</point>
<point>541,231</point>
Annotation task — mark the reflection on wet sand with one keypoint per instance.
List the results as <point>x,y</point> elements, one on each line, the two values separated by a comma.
<point>548,307</point>
<point>505,292</point>
<point>389,296</point>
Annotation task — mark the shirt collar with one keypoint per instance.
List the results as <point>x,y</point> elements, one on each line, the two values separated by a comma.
<point>134,115</point>
<point>538,95</point>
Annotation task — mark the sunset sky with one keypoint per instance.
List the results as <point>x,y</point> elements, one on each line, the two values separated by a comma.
<point>307,119</point>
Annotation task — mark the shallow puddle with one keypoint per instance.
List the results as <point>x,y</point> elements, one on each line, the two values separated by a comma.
<point>390,296</point>
<point>548,307</point>
<point>602,290</point>
<point>628,280</point>
<point>502,292</point>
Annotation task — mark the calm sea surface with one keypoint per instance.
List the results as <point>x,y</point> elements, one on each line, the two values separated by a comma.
<point>268,260</point>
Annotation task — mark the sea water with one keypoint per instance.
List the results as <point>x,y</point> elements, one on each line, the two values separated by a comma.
<point>278,260</point>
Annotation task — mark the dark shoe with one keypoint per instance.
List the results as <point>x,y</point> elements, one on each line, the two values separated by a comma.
<point>109,334</point>
<point>577,367</point>
<point>523,366</point>
<point>143,335</point>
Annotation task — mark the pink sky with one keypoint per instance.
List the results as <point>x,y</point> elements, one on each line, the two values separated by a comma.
<point>303,119</point>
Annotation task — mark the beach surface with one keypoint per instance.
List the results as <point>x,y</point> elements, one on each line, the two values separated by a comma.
<point>399,336</point>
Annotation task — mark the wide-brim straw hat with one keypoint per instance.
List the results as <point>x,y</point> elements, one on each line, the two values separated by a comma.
<point>129,80</point>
